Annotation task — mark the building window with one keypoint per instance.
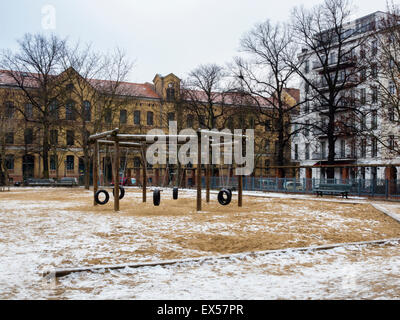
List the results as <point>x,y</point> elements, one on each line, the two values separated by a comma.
<point>343,149</point>
<point>267,125</point>
<point>374,119</point>
<point>28,110</point>
<point>53,162</point>
<point>150,118</point>
<point>10,110</point>
<point>307,66</point>
<point>307,128</point>
<point>296,152</point>
<point>136,117</point>
<point>374,95</point>
<point>307,107</point>
<point>202,121</point>
<point>374,71</point>
<point>307,151</point>
<point>70,163</point>
<point>10,162</point>
<point>374,50</point>
<point>53,110</point>
<point>123,116</point>
<point>363,122</point>
<point>87,109</point>
<point>391,143</point>
<point>323,150</point>
<point>170,92</point>
<point>189,121</point>
<point>28,136</point>
<point>171,116</point>
<point>363,96</point>
<point>9,138</point>
<point>108,115</point>
<point>70,110</point>
<point>267,146</point>
<point>374,147</point>
<point>54,137</point>
<point>267,165</point>
<point>363,148</point>
<point>391,113</point>
<point>70,138</point>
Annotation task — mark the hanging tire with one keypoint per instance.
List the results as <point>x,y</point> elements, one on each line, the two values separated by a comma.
<point>230,191</point>
<point>175,193</point>
<point>121,192</point>
<point>224,197</point>
<point>97,197</point>
<point>156,197</point>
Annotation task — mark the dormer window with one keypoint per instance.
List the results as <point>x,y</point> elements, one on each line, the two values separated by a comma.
<point>170,92</point>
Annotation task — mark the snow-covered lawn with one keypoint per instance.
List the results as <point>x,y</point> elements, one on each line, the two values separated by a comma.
<point>41,229</point>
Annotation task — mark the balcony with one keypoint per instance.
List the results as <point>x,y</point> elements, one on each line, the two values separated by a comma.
<point>351,81</point>
<point>317,156</point>
<point>347,61</point>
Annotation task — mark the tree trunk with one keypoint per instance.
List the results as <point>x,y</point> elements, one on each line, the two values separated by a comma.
<point>46,148</point>
<point>331,147</point>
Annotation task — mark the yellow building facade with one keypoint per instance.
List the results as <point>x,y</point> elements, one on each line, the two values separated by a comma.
<point>135,108</point>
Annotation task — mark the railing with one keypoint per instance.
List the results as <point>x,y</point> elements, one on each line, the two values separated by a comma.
<point>382,188</point>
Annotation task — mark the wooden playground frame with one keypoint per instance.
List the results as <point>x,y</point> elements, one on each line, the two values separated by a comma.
<point>139,141</point>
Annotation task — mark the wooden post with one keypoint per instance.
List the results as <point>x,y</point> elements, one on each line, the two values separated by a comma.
<point>240,185</point>
<point>240,191</point>
<point>116,175</point>
<point>208,170</point>
<point>95,170</point>
<point>198,178</point>
<point>144,184</point>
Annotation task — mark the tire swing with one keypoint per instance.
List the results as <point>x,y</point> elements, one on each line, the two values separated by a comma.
<point>175,193</point>
<point>224,197</point>
<point>121,192</point>
<point>97,197</point>
<point>156,197</point>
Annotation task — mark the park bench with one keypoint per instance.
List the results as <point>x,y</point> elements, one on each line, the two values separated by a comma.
<point>330,188</point>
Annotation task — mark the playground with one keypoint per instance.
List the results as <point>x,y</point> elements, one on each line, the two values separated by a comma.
<point>46,229</point>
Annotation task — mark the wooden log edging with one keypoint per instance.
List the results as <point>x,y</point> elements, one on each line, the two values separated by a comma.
<point>65,272</point>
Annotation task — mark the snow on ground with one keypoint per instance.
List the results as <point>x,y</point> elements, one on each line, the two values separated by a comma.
<point>40,235</point>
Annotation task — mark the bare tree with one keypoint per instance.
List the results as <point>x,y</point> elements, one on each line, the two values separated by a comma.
<point>8,129</point>
<point>205,93</point>
<point>264,75</point>
<point>34,70</point>
<point>331,81</point>
<point>98,101</point>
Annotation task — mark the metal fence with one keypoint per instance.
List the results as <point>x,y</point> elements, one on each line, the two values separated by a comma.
<point>359,187</point>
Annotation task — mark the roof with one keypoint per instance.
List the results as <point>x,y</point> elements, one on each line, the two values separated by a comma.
<point>147,90</point>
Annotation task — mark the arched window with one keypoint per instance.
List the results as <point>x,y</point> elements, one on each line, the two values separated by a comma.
<point>53,109</point>
<point>70,110</point>
<point>170,92</point>
<point>87,109</point>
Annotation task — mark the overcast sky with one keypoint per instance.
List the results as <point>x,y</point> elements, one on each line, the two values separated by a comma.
<point>161,36</point>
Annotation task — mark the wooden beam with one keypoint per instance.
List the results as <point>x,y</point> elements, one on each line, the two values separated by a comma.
<point>97,136</point>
